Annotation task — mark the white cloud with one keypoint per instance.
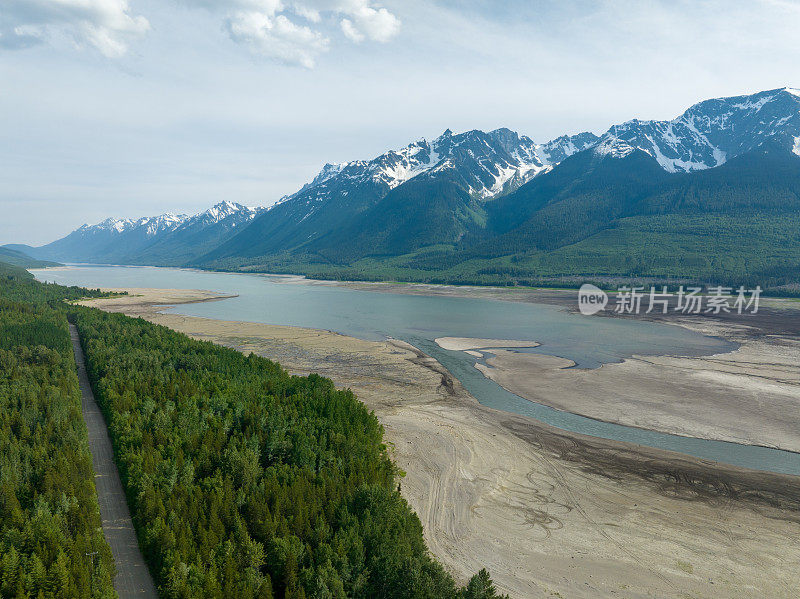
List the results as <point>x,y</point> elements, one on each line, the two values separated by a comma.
<point>277,37</point>
<point>309,14</point>
<point>351,32</point>
<point>107,25</point>
<point>378,24</point>
<point>292,32</point>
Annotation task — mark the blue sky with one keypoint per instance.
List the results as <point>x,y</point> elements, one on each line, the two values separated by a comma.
<point>138,107</point>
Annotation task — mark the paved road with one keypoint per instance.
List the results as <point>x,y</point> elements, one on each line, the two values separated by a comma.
<point>132,579</point>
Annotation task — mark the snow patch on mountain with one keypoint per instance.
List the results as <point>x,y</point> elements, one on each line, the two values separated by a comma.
<point>222,211</point>
<point>753,105</point>
<point>556,150</point>
<point>486,164</point>
<point>396,167</point>
<point>711,132</point>
<point>444,165</point>
<point>614,147</point>
<point>110,224</point>
<point>152,226</point>
<point>328,171</point>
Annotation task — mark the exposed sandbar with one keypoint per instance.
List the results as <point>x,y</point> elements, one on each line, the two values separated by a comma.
<point>470,343</point>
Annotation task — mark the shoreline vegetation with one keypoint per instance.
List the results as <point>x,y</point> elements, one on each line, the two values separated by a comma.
<point>785,296</point>
<point>546,512</point>
<point>384,271</point>
<point>610,284</point>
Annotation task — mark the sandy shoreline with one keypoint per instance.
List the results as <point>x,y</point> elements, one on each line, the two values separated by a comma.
<point>548,513</point>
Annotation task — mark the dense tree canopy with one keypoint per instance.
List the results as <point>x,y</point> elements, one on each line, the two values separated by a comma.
<point>51,542</point>
<point>19,285</point>
<point>243,481</point>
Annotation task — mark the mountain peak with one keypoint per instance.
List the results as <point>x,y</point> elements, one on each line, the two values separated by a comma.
<point>154,225</point>
<point>158,224</point>
<point>331,169</point>
<point>225,208</point>
<point>556,150</point>
<point>116,224</point>
<point>222,211</point>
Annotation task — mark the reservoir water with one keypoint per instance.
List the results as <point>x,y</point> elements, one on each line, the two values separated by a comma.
<point>416,319</point>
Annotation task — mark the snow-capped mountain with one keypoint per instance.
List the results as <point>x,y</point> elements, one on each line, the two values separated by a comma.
<point>482,165</point>
<point>712,132</point>
<point>131,240</point>
<point>469,187</point>
<point>328,171</point>
<point>487,164</point>
<point>222,211</point>
<point>149,225</point>
<point>197,234</point>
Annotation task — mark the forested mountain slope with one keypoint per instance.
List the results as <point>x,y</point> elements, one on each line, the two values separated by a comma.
<point>591,192</point>
<point>347,197</point>
<point>16,257</point>
<point>595,216</point>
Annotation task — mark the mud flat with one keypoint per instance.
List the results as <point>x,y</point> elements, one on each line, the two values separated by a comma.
<point>550,514</point>
<point>751,395</point>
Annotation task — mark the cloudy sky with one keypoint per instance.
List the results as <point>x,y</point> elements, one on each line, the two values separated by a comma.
<point>137,107</point>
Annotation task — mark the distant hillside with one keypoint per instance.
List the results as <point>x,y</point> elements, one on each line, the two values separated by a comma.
<point>14,273</point>
<point>15,257</point>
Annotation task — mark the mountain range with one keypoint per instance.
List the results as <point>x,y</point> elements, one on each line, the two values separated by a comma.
<point>167,239</point>
<point>712,195</point>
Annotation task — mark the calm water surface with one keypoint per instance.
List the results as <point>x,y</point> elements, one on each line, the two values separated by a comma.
<point>374,315</point>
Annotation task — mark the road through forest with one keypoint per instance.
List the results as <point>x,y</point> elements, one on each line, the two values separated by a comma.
<point>133,578</point>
